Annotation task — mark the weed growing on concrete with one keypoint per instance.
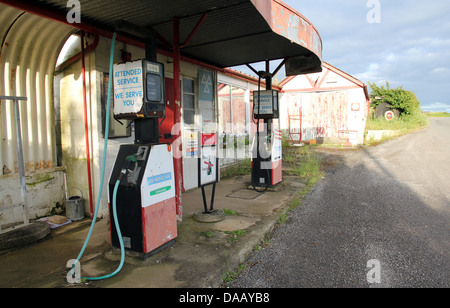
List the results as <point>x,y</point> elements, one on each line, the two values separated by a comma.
<point>208,234</point>
<point>235,235</point>
<point>282,219</point>
<point>231,275</point>
<point>265,242</point>
<point>228,212</point>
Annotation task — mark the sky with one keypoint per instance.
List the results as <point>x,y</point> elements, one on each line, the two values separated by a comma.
<point>405,42</point>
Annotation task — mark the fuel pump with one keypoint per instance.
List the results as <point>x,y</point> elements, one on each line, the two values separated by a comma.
<point>143,171</point>
<point>267,146</point>
<point>141,190</point>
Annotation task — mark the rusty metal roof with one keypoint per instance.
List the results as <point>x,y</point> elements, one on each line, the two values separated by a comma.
<point>233,32</point>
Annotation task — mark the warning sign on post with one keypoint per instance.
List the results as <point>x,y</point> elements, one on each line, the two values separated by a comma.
<point>208,160</point>
<point>209,139</point>
<point>191,144</point>
<point>208,165</point>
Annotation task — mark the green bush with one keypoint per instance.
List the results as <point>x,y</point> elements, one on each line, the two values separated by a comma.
<point>403,100</point>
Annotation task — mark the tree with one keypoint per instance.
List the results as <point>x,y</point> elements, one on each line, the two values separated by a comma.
<point>403,100</point>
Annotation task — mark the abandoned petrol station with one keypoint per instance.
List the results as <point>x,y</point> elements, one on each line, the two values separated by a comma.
<point>57,75</point>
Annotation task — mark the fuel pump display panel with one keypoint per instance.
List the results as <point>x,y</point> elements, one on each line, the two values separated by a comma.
<point>154,102</point>
<point>265,104</point>
<point>139,90</point>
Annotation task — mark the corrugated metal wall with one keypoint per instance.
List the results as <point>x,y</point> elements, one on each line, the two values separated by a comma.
<point>29,48</point>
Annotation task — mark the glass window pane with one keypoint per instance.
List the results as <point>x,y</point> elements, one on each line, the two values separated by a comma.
<point>224,108</point>
<point>188,101</point>
<point>238,101</point>
<point>189,116</point>
<point>188,86</point>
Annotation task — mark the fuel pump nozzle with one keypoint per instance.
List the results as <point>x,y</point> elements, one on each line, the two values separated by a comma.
<point>130,159</point>
<point>133,173</point>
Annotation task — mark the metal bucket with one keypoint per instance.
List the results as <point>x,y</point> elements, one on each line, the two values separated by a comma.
<point>75,207</point>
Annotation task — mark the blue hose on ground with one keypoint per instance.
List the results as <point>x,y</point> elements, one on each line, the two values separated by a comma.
<point>105,148</point>
<point>119,235</point>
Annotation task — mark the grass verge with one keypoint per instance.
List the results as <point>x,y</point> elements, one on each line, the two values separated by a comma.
<point>403,125</point>
<point>438,114</point>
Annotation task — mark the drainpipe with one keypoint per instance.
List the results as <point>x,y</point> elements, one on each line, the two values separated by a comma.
<point>86,126</point>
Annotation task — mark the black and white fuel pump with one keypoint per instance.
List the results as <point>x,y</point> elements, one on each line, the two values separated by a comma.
<point>267,144</point>
<point>145,196</point>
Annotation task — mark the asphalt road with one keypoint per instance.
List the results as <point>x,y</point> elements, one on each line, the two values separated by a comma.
<point>379,218</point>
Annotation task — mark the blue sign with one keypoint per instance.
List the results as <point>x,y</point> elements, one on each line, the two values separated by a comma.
<point>159,178</point>
<point>206,85</point>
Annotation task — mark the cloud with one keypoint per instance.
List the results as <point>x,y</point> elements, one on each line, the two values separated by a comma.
<point>436,107</point>
<point>410,47</point>
<point>441,71</point>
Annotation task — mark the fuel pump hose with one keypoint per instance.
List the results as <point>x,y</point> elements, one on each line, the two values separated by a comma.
<point>119,235</point>
<point>108,107</point>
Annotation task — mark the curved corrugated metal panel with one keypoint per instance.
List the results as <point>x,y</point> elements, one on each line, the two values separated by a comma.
<point>29,49</point>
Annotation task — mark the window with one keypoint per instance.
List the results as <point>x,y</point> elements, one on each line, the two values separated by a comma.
<point>188,101</point>
<point>232,109</point>
<point>224,108</point>
<point>238,110</point>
